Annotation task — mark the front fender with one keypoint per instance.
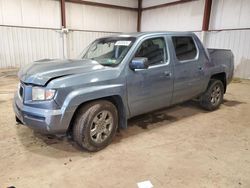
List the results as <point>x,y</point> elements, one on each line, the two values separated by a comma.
<point>77,97</point>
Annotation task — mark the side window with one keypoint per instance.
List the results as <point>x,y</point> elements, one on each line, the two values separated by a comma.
<point>185,48</point>
<point>153,49</point>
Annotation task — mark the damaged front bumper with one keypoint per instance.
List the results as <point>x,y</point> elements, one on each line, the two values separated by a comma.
<point>51,121</point>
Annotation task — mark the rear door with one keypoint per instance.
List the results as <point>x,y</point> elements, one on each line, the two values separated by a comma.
<point>188,72</point>
<point>150,89</point>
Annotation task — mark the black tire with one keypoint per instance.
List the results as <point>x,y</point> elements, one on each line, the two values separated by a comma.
<point>89,119</point>
<point>213,96</point>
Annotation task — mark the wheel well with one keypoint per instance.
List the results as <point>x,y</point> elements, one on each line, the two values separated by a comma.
<point>116,100</point>
<point>222,78</point>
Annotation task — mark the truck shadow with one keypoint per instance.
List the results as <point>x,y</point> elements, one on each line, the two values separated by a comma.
<point>156,119</point>
<point>232,103</point>
<point>48,145</point>
<point>165,117</point>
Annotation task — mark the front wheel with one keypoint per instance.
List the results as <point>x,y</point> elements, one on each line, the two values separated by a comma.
<point>213,96</point>
<point>95,125</point>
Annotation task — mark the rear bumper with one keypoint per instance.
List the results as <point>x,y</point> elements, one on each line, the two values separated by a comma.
<point>42,120</point>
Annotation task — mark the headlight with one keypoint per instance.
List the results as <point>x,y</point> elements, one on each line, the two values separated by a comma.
<point>40,94</point>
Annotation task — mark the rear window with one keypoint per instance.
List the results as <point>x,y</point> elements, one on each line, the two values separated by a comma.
<point>185,48</point>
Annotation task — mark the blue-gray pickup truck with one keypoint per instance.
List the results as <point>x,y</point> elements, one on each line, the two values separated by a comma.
<point>116,78</point>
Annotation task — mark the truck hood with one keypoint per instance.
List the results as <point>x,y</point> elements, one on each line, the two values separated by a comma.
<point>41,72</point>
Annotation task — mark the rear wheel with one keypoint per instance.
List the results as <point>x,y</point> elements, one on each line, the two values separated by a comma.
<point>213,96</point>
<point>95,125</point>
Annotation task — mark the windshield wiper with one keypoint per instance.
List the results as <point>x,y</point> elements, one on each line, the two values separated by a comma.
<point>108,64</point>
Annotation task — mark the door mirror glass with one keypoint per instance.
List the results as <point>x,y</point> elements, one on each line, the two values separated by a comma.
<point>139,63</point>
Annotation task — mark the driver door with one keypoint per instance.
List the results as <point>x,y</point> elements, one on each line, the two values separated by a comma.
<point>150,89</point>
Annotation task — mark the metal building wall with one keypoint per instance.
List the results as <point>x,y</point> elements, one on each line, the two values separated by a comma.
<point>31,13</point>
<point>181,17</point>
<point>87,23</point>
<point>84,17</point>
<point>20,46</point>
<point>31,29</point>
<point>229,25</point>
<point>149,3</point>
<point>230,14</point>
<point>231,20</point>
<point>126,3</point>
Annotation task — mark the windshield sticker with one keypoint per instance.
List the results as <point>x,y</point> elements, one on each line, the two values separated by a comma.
<point>122,43</point>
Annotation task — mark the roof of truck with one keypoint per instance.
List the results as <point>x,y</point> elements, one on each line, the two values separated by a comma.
<point>139,34</point>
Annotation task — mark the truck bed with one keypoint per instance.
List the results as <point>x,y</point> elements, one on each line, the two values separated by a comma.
<point>224,59</point>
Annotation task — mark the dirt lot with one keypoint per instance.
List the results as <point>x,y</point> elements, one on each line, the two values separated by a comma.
<point>182,146</point>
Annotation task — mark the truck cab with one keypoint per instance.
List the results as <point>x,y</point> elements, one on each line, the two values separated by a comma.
<point>175,72</point>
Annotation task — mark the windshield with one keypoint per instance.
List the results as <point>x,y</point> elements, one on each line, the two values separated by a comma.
<point>109,51</point>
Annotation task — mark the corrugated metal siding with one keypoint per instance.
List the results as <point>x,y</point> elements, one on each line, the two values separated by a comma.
<point>230,14</point>
<point>181,17</point>
<point>79,40</point>
<point>32,13</point>
<point>20,46</point>
<point>149,3</point>
<point>126,3</point>
<point>239,42</point>
<point>84,17</point>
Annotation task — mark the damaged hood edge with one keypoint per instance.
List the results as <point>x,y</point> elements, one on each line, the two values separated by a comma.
<point>42,72</point>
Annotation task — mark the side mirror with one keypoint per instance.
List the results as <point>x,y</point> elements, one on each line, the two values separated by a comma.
<point>139,63</point>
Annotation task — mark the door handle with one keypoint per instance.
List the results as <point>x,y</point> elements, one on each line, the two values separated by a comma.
<point>200,68</point>
<point>167,73</point>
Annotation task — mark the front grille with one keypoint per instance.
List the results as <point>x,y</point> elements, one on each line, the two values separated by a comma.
<point>21,91</point>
